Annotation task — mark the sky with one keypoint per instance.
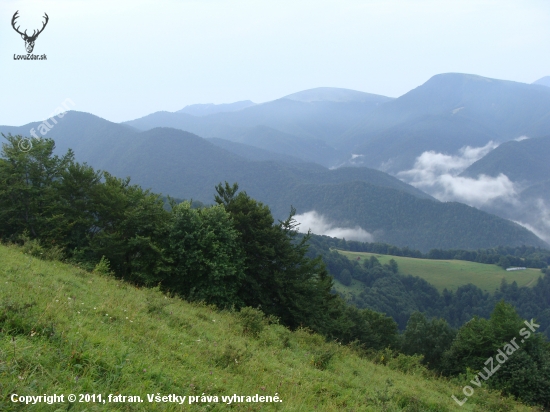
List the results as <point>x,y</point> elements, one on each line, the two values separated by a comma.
<point>124,59</point>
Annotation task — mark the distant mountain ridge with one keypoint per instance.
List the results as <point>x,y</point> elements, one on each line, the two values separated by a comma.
<point>211,108</point>
<point>446,113</point>
<point>183,165</point>
<point>333,94</point>
<point>544,81</point>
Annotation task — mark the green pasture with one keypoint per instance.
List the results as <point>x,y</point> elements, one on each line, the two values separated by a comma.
<point>451,274</point>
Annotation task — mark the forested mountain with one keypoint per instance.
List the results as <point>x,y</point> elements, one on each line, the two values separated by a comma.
<point>307,149</point>
<point>524,161</point>
<point>252,152</point>
<point>185,165</point>
<point>404,220</point>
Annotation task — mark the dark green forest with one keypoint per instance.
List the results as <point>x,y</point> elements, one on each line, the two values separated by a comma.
<point>234,254</point>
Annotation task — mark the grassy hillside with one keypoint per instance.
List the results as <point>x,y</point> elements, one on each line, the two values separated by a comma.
<point>63,330</point>
<point>451,274</point>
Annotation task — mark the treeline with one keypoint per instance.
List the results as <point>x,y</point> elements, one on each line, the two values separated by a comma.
<point>231,254</point>
<point>504,256</point>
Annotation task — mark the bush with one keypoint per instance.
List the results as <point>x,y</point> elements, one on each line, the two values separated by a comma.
<point>103,267</point>
<point>322,357</point>
<point>252,320</point>
<point>231,356</point>
<point>34,248</point>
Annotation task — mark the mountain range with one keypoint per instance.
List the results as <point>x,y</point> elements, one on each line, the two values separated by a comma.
<point>280,153</point>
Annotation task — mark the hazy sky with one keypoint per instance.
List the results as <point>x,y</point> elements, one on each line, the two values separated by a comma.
<point>124,59</point>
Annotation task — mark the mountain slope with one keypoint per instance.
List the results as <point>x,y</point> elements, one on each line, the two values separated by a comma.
<point>403,220</point>
<point>251,152</point>
<point>333,94</point>
<point>544,81</point>
<point>309,150</point>
<point>96,334</point>
<point>210,108</point>
<point>524,161</point>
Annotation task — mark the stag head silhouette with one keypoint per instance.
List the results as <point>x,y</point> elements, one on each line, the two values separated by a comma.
<point>29,40</point>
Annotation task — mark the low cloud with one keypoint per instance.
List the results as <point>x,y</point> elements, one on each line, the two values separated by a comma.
<point>319,225</point>
<point>536,218</point>
<point>519,139</point>
<point>437,174</point>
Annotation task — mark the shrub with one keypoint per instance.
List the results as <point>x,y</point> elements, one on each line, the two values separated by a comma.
<point>103,267</point>
<point>322,357</point>
<point>252,320</point>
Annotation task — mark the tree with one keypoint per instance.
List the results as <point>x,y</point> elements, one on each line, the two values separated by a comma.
<point>28,199</point>
<point>524,372</point>
<point>428,338</point>
<point>345,277</point>
<point>279,277</point>
<point>130,230</point>
<point>207,262</point>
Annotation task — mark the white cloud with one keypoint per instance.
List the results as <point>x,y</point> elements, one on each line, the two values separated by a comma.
<point>319,225</point>
<point>519,139</point>
<point>429,165</point>
<point>538,216</point>
<point>437,174</point>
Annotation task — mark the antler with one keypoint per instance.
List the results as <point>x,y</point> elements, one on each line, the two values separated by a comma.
<point>43,27</point>
<point>15,17</point>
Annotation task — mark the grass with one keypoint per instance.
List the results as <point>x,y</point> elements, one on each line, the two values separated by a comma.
<point>451,274</point>
<point>64,330</point>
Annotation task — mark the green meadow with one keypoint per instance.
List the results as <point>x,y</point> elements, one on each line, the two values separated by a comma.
<point>67,331</point>
<point>451,274</point>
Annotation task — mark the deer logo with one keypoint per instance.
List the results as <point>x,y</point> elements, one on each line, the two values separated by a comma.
<point>29,40</point>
